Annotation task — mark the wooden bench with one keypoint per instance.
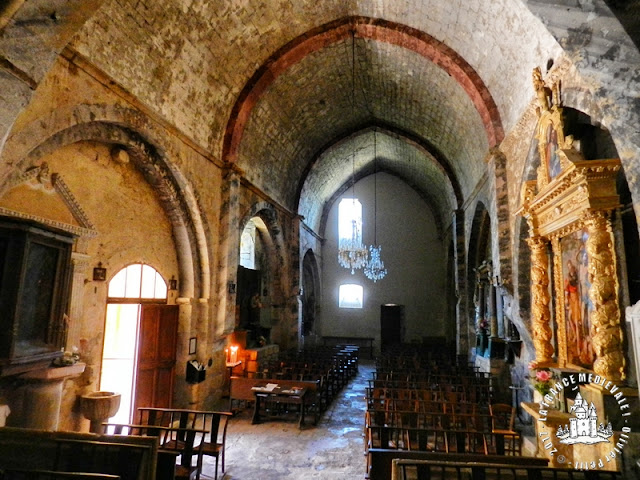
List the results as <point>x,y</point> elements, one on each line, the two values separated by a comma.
<point>34,474</point>
<point>241,390</point>
<point>364,343</point>
<point>428,470</point>
<point>380,460</point>
<point>130,458</point>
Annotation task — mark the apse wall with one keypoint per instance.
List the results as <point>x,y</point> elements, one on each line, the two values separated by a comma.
<point>413,254</point>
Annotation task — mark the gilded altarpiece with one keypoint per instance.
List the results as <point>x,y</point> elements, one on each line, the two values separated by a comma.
<point>568,209</point>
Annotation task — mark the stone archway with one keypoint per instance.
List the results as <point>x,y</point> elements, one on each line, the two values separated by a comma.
<point>479,253</point>
<point>278,265</point>
<point>147,146</point>
<point>369,28</point>
<point>310,293</point>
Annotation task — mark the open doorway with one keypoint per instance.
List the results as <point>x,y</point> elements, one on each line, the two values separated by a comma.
<point>253,296</point>
<point>138,358</point>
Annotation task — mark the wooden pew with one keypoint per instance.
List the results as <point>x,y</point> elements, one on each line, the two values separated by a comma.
<point>380,460</point>
<point>130,458</point>
<point>33,474</point>
<point>428,470</point>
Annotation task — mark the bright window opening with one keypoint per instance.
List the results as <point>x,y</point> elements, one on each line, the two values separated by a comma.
<point>138,281</point>
<point>349,212</point>
<point>350,296</point>
<point>248,246</point>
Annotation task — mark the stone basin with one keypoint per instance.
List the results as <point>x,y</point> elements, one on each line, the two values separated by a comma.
<point>99,407</point>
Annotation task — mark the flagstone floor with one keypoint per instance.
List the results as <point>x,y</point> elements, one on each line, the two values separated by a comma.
<point>277,449</point>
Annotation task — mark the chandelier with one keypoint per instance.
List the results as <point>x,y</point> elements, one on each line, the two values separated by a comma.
<point>374,269</point>
<point>351,251</point>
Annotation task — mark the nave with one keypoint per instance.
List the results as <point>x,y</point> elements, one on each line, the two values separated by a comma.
<point>278,450</point>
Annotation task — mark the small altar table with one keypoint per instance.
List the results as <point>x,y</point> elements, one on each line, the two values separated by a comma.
<point>287,395</point>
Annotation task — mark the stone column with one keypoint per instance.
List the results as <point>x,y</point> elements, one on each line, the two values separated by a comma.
<point>540,299</point>
<point>464,329</point>
<point>493,319</point>
<point>482,299</point>
<point>80,264</point>
<point>228,254</point>
<point>296,272</point>
<point>606,331</point>
<point>502,330</point>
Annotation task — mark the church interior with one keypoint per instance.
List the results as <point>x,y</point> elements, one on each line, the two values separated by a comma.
<point>192,191</point>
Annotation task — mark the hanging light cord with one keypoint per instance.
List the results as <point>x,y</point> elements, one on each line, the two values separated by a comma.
<point>375,190</point>
<point>353,109</point>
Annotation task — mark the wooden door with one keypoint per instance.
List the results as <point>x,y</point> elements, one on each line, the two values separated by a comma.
<point>155,370</point>
<point>391,325</point>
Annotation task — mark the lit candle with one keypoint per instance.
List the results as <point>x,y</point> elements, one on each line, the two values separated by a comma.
<point>226,355</point>
<point>234,354</point>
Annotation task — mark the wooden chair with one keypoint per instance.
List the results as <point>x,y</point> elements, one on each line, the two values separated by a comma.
<point>182,443</point>
<point>503,417</point>
<point>177,447</point>
<point>214,423</point>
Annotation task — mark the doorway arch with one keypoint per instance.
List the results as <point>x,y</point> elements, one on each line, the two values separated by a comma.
<point>139,347</point>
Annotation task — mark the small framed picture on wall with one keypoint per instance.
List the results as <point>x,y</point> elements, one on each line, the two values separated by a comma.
<point>193,345</point>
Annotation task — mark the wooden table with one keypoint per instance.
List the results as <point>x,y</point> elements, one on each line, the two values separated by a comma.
<point>287,395</point>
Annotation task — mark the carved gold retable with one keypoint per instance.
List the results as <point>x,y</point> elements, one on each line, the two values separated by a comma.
<point>580,195</point>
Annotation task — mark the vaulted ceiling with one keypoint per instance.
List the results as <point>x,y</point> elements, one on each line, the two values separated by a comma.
<point>295,92</point>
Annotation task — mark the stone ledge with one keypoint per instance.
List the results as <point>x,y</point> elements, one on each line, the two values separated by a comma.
<point>55,373</point>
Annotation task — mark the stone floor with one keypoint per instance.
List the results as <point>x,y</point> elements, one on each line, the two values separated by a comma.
<point>277,449</point>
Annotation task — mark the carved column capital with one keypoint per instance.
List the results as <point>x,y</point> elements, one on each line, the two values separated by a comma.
<point>540,299</point>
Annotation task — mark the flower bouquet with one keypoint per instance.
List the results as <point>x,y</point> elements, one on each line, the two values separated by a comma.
<point>542,378</point>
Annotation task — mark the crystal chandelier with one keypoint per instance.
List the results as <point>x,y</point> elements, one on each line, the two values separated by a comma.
<point>351,251</point>
<point>374,269</point>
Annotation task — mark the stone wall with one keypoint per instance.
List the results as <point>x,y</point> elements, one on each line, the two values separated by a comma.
<point>144,188</point>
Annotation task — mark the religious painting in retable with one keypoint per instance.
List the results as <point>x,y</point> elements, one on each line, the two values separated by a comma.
<point>577,305</point>
<point>551,152</point>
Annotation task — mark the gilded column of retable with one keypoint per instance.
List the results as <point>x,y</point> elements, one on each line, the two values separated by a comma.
<point>606,332</point>
<point>561,336</point>
<point>540,299</point>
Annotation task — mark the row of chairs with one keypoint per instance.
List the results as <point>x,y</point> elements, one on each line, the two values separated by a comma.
<point>471,394</point>
<point>330,367</point>
<point>434,470</point>
<point>443,409</point>
<point>443,440</point>
<point>446,421</point>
